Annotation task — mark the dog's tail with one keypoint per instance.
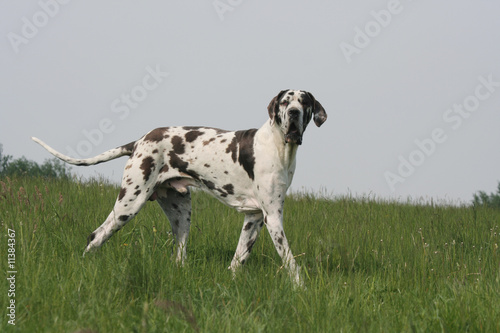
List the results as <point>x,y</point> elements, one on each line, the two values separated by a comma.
<point>111,154</point>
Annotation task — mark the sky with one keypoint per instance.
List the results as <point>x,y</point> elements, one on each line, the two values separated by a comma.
<point>411,87</point>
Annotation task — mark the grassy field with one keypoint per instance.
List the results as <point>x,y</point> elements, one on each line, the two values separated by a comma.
<point>368,266</point>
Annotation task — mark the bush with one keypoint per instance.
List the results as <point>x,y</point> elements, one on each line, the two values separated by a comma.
<point>483,199</point>
<point>51,168</point>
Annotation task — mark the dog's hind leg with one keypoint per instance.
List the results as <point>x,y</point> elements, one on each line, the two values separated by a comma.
<point>177,207</point>
<point>131,199</point>
<point>118,217</point>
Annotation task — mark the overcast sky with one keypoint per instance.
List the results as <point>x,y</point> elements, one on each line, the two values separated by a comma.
<point>411,88</point>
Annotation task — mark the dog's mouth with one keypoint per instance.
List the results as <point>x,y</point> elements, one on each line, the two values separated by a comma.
<point>293,134</point>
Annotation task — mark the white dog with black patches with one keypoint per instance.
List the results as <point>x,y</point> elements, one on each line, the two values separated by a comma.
<point>248,170</point>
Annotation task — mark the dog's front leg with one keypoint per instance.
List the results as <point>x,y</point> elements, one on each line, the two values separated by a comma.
<point>274,224</point>
<point>251,228</point>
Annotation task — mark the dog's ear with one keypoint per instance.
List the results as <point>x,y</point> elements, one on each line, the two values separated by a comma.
<point>273,107</point>
<point>318,111</point>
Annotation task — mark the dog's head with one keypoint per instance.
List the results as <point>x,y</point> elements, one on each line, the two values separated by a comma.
<point>292,110</point>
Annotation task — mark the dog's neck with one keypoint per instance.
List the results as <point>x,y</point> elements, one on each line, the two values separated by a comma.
<point>286,152</point>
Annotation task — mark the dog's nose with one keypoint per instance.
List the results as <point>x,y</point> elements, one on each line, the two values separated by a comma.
<point>293,113</point>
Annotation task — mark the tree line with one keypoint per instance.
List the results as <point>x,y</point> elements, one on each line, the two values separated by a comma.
<point>50,168</point>
<point>482,198</point>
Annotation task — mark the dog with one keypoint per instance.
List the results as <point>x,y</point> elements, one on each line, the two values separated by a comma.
<point>249,170</point>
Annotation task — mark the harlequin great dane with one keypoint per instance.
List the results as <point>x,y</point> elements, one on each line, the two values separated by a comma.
<point>249,170</point>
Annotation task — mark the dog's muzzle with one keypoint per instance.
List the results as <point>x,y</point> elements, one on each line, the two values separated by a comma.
<point>293,134</point>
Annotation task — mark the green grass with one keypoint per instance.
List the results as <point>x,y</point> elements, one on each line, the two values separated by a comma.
<point>369,266</point>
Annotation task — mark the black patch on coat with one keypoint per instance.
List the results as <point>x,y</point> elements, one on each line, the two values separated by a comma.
<point>206,142</point>
<point>210,185</point>
<point>274,107</point>
<point>123,218</point>
<point>193,174</point>
<point>232,148</point>
<point>250,245</point>
<point>136,193</point>
<point>147,167</point>
<point>307,104</point>
<point>191,128</point>
<point>123,191</point>
<point>277,118</point>
<point>192,135</point>
<point>156,135</point>
<point>229,188</point>
<point>246,156</point>
<point>90,238</point>
<point>164,168</point>
<point>248,226</point>
<point>178,145</point>
<point>177,163</point>
<point>129,147</point>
